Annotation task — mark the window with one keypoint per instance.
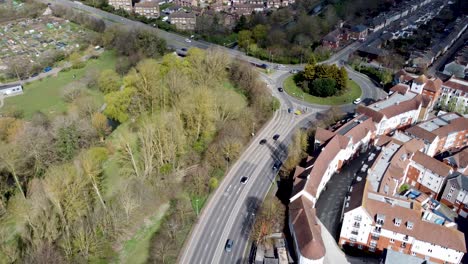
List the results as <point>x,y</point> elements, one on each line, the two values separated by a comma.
<point>412,253</point>
<point>449,196</point>
<point>392,240</point>
<point>409,225</point>
<point>429,250</point>
<point>359,246</point>
<point>397,221</point>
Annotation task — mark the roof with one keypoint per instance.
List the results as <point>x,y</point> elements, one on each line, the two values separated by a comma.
<point>460,179</point>
<point>182,15</point>
<point>8,86</point>
<point>456,84</point>
<point>359,28</point>
<point>400,88</point>
<point>432,164</point>
<point>306,229</point>
<point>392,257</point>
<point>375,115</point>
<point>439,234</point>
<point>401,107</point>
<point>461,158</point>
<point>323,135</point>
<point>421,79</point>
<point>148,4</point>
<point>433,85</point>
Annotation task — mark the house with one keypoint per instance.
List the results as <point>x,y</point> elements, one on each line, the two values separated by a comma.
<point>455,194</point>
<point>454,95</point>
<point>11,89</point>
<point>358,32</point>
<point>149,9</point>
<point>186,3</point>
<point>441,133</point>
<point>456,69</point>
<point>306,232</point>
<point>427,174</point>
<point>459,161</point>
<point>332,39</point>
<point>183,21</point>
<point>375,223</point>
<point>122,4</point>
<point>246,9</point>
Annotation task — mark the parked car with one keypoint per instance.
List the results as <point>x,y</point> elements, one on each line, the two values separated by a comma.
<point>297,112</point>
<point>280,89</point>
<point>47,69</point>
<point>188,40</point>
<point>229,245</point>
<point>357,101</point>
<point>34,75</point>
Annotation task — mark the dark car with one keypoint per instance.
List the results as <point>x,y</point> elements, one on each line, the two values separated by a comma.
<point>263,141</point>
<point>276,136</point>
<point>277,165</point>
<point>244,179</point>
<point>280,89</point>
<point>229,245</point>
<point>34,75</point>
<point>289,110</point>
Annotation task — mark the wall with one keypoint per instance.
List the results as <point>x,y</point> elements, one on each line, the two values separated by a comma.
<point>436,252</point>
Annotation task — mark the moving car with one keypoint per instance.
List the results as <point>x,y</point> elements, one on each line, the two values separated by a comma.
<point>229,245</point>
<point>297,112</point>
<point>263,141</point>
<point>276,136</point>
<point>357,101</point>
<point>280,89</point>
<point>277,165</point>
<point>244,179</point>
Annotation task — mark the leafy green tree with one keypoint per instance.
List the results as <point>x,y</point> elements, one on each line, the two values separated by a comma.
<point>324,87</point>
<point>109,81</point>
<point>245,39</point>
<point>309,72</point>
<point>118,103</point>
<point>260,33</point>
<point>342,79</point>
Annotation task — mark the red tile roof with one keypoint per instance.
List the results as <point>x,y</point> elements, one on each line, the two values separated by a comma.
<point>432,164</point>
<point>307,231</point>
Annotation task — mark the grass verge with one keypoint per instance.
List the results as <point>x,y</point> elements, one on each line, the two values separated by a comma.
<point>353,92</point>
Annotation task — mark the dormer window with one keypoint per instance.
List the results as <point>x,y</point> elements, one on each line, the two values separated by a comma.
<point>409,225</point>
<point>397,221</point>
<point>380,219</point>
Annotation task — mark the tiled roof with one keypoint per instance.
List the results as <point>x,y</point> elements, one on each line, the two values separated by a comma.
<point>323,135</point>
<point>432,164</point>
<point>422,230</point>
<point>400,88</point>
<point>306,229</point>
<point>456,84</point>
<point>433,85</point>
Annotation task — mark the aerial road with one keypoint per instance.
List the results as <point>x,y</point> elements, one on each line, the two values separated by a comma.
<point>230,211</point>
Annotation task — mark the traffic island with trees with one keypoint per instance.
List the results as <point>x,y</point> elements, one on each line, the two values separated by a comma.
<point>322,84</point>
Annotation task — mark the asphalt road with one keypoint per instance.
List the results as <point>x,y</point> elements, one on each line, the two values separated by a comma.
<point>229,213</point>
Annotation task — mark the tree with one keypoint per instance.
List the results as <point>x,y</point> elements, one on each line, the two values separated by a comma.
<point>91,165</point>
<point>109,81</point>
<point>99,122</point>
<point>323,87</point>
<point>118,103</point>
<point>259,33</point>
<point>213,183</point>
<point>75,60</point>
<point>296,150</point>
<point>309,72</point>
<point>10,159</point>
<point>342,80</point>
<point>67,141</point>
<point>245,39</point>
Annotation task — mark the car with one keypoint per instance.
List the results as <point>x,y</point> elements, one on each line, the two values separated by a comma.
<point>47,69</point>
<point>183,49</point>
<point>276,136</point>
<point>34,75</point>
<point>297,112</point>
<point>229,245</point>
<point>280,89</point>
<point>188,40</point>
<point>277,165</point>
<point>290,110</point>
<point>357,101</point>
<point>244,179</point>
<point>263,141</point>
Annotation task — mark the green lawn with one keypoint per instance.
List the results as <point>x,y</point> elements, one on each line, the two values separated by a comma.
<point>46,95</point>
<point>354,91</point>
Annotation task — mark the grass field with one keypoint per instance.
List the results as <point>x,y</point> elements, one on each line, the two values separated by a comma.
<point>46,95</point>
<point>353,92</point>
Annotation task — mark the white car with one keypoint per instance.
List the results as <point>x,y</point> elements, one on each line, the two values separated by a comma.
<point>188,40</point>
<point>357,101</point>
